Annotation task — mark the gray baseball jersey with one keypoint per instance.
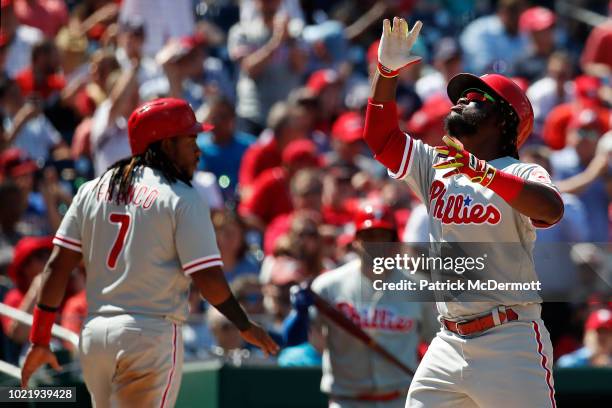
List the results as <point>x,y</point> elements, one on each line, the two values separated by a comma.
<point>350,368</point>
<point>462,211</point>
<point>139,255</point>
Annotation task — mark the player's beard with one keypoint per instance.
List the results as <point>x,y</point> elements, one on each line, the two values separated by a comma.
<point>462,124</point>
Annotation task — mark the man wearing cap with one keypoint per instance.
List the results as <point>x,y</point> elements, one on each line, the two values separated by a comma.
<point>271,195</point>
<point>539,24</point>
<point>597,350</point>
<point>29,258</point>
<point>584,131</point>
<point>143,234</point>
<point>347,145</point>
<point>475,190</point>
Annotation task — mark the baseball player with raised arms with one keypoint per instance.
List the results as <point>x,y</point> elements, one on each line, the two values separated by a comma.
<point>495,352</point>
<point>144,235</point>
<point>355,375</point>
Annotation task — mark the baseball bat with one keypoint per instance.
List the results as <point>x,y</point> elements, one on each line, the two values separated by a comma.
<point>347,324</point>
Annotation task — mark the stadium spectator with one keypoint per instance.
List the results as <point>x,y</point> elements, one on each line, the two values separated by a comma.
<point>224,146</point>
<point>46,15</point>
<point>162,20</point>
<point>493,43</point>
<point>584,131</point>
<point>271,60</point>
<point>447,62</point>
<point>326,87</point>
<point>25,125</point>
<point>306,190</point>
<point>337,195</point>
<point>17,40</point>
<point>539,24</point>
<point>552,90</point>
<point>247,290</point>
<point>130,42</point>
<point>42,78</point>
<point>189,73</point>
<point>109,138</point>
<point>596,59</point>
<point>231,233</point>
<point>29,259</point>
<point>597,349</point>
<point>271,196</point>
<point>286,123</point>
<point>347,145</point>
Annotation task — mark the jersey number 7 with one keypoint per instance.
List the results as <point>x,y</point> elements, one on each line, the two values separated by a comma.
<point>124,225</point>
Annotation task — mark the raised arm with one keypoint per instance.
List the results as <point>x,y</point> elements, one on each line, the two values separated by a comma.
<point>382,132</point>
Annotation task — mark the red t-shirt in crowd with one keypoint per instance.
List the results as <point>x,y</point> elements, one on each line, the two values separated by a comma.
<point>270,196</point>
<point>25,80</point>
<point>46,15</point>
<point>258,157</point>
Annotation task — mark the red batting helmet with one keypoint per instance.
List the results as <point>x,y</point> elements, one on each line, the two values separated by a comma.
<point>161,119</point>
<point>508,92</point>
<point>370,216</point>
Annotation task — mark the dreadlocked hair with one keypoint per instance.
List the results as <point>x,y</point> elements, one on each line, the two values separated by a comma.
<point>124,172</point>
<point>509,131</point>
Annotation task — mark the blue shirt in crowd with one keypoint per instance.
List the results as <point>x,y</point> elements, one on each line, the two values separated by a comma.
<point>565,164</point>
<point>224,160</point>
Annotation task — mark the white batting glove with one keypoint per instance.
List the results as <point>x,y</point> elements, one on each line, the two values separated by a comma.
<point>395,45</point>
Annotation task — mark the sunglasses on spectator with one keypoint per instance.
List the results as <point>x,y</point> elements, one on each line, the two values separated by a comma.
<point>475,94</point>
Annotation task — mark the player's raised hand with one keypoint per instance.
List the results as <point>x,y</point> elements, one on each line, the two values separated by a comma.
<point>463,162</point>
<point>37,356</point>
<point>395,45</point>
<point>257,336</point>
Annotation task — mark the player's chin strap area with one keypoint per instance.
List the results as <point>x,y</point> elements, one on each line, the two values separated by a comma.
<point>481,324</point>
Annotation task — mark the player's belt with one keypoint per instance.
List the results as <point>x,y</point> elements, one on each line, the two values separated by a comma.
<point>387,396</point>
<point>480,324</point>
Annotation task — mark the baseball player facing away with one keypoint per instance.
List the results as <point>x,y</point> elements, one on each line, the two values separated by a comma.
<point>354,375</point>
<point>493,353</point>
<point>144,235</point>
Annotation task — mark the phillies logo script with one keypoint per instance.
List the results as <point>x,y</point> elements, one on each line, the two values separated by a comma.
<point>382,319</point>
<point>459,209</point>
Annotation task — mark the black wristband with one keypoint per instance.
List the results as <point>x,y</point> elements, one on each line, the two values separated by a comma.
<point>234,313</point>
<point>47,308</point>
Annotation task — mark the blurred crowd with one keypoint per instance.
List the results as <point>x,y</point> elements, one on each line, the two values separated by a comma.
<point>285,83</point>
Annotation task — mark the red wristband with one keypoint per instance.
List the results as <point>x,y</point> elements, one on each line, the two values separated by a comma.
<point>387,72</point>
<point>506,185</point>
<point>41,326</point>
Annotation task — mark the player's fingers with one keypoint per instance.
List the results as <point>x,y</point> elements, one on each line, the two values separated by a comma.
<point>26,373</point>
<point>450,164</point>
<point>414,33</point>
<point>386,27</point>
<point>451,173</point>
<point>395,28</point>
<point>403,28</point>
<point>451,141</point>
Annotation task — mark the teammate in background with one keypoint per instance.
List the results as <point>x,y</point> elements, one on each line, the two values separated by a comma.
<point>142,233</point>
<point>354,375</point>
<point>494,352</point>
